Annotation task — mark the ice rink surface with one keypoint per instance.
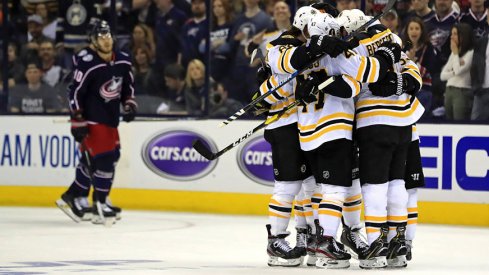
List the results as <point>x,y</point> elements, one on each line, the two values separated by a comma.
<point>46,241</point>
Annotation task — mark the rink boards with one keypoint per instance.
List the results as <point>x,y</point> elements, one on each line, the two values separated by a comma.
<point>159,170</point>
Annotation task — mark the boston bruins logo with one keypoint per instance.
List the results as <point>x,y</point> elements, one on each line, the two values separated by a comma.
<point>76,14</point>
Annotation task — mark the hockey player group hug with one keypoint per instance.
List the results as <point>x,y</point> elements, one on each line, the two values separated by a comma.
<point>352,139</point>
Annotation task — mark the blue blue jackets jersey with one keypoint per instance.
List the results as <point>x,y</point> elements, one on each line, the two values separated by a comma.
<point>479,25</point>
<point>167,32</point>
<point>99,87</point>
<point>193,34</point>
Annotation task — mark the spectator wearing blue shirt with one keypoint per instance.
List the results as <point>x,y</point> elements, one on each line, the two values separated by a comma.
<point>251,22</point>
<point>476,17</point>
<point>194,33</point>
<point>222,25</point>
<point>167,31</point>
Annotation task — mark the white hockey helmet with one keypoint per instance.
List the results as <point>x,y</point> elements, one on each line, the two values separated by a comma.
<point>323,24</point>
<point>303,15</point>
<point>352,19</point>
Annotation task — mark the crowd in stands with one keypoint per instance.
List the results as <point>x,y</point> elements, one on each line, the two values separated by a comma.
<point>167,41</point>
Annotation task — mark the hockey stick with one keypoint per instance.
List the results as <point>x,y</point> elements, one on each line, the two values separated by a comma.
<point>208,154</point>
<point>250,105</point>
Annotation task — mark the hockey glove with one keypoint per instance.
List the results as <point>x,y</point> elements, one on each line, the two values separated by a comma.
<point>79,126</point>
<point>129,110</point>
<point>392,84</point>
<point>263,73</point>
<point>306,89</point>
<point>389,52</point>
<point>324,44</point>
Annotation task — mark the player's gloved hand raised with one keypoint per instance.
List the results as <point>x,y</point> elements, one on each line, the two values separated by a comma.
<point>325,44</point>
<point>391,84</point>
<point>327,8</point>
<point>79,126</point>
<point>390,52</point>
<point>306,88</point>
<point>263,73</point>
<point>129,110</point>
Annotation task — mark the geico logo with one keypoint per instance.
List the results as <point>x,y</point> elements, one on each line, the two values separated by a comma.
<point>187,154</point>
<point>258,158</point>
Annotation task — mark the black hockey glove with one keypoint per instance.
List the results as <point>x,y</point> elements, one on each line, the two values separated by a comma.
<point>129,110</point>
<point>392,84</point>
<point>79,126</point>
<point>306,89</point>
<point>389,52</point>
<point>324,44</point>
<point>263,73</point>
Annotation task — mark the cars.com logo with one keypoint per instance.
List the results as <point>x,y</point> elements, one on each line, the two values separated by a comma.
<point>255,161</point>
<point>170,155</point>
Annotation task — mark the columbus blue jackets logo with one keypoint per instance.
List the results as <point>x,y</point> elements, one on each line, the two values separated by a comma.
<point>111,89</point>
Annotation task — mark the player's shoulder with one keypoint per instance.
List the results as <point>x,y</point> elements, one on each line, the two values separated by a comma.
<point>86,58</point>
<point>121,56</point>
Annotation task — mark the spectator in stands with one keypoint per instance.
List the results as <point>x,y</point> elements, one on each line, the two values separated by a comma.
<point>52,73</point>
<point>176,86</point>
<point>34,29</point>
<point>251,22</point>
<point>438,28</point>
<point>476,17</point>
<point>145,78</point>
<point>281,23</point>
<point>49,23</point>
<point>419,50</point>
<point>168,28</point>
<point>480,80</point>
<point>220,104</point>
<point>342,5</point>
<point>35,97</point>
<point>194,33</point>
<point>459,95</point>
<point>195,90</point>
<point>421,9</point>
<point>16,70</point>
<point>391,21</point>
<point>142,36</point>
<point>145,11</point>
<point>221,26</point>
<point>72,24</point>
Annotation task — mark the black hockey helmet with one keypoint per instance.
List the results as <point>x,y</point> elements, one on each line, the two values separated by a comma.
<point>99,28</point>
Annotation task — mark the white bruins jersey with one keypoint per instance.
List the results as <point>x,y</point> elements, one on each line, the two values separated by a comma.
<point>331,117</point>
<point>394,110</point>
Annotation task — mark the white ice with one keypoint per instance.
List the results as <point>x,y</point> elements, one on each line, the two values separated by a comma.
<point>45,241</point>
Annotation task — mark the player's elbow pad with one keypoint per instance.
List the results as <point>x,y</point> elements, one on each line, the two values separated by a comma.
<point>301,58</point>
<point>411,84</point>
<point>339,88</point>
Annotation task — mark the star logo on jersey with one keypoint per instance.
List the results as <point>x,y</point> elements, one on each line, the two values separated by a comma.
<point>111,89</point>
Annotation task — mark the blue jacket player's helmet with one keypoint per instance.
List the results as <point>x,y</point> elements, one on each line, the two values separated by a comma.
<point>100,28</point>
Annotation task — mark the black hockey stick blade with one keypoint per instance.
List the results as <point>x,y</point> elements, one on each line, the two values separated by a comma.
<point>203,150</point>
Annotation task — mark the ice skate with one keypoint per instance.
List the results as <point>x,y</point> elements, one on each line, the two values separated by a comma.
<point>301,242</point>
<point>114,208</point>
<point>103,214</point>
<point>75,208</point>
<point>311,247</point>
<point>279,251</point>
<point>396,254</point>
<point>377,252</point>
<point>354,241</point>
<point>330,254</point>
<point>409,246</point>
